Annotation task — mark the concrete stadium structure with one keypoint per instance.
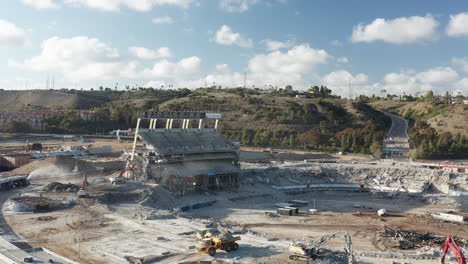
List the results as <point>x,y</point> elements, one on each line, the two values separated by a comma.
<point>186,159</point>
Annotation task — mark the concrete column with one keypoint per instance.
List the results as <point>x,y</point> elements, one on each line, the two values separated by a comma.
<point>170,123</point>
<point>187,124</point>
<point>216,124</point>
<point>167,123</point>
<point>151,124</point>
<point>183,123</point>
<point>201,124</point>
<point>155,121</point>
<point>136,137</point>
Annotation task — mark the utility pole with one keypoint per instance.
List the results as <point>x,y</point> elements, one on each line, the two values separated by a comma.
<point>245,79</point>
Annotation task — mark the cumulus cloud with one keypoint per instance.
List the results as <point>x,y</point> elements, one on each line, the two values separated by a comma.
<point>438,79</point>
<point>339,82</point>
<point>40,4</point>
<point>397,31</point>
<point>12,35</point>
<point>438,75</point>
<point>163,20</point>
<point>82,58</point>
<point>237,5</point>
<point>458,25</point>
<point>462,63</point>
<point>222,67</point>
<point>166,69</point>
<point>298,60</point>
<point>276,45</point>
<point>343,60</point>
<point>138,5</point>
<point>147,54</point>
<point>225,36</point>
<point>275,68</point>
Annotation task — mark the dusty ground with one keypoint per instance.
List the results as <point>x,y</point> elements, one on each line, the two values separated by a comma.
<point>92,232</point>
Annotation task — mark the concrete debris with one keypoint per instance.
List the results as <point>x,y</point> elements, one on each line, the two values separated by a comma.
<point>411,239</point>
<point>382,212</point>
<point>393,179</point>
<point>60,187</point>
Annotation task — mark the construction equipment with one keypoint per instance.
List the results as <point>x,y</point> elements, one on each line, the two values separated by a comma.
<point>450,243</point>
<point>310,250</point>
<point>120,178</point>
<point>210,244</point>
<point>83,192</point>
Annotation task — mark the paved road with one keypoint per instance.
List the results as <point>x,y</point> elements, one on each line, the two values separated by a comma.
<point>396,144</point>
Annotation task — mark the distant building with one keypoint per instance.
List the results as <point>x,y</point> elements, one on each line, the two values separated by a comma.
<point>465,101</point>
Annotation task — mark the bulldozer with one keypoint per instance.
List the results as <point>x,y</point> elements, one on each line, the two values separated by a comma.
<point>210,244</point>
<point>309,251</point>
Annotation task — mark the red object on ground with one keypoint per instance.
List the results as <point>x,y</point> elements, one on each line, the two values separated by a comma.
<point>125,170</point>
<point>85,183</point>
<point>449,243</point>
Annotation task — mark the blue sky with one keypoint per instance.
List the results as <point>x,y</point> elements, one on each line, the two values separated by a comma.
<point>398,46</point>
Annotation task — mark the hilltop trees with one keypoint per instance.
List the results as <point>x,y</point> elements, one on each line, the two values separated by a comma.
<point>430,144</point>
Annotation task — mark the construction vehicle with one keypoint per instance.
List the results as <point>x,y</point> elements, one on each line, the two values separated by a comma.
<point>83,192</point>
<point>308,251</point>
<point>120,179</point>
<point>210,244</point>
<point>450,243</point>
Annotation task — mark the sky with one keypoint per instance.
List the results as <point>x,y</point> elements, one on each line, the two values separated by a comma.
<point>374,47</point>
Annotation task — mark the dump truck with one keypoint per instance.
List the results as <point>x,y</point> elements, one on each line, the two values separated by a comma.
<point>209,242</point>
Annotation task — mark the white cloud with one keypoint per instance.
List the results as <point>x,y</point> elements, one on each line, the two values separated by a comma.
<point>163,20</point>
<point>40,4</point>
<point>222,67</point>
<point>225,36</point>
<point>147,54</point>
<point>339,82</point>
<point>336,43</point>
<point>155,84</point>
<point>82,58</point>
<point>138,5</point>
<point>275,68</point>
<point>343,60</point>
<point>166,69</point>
<point>462,86</point>
<point>12,35</point>
<point>461,62</point>
<point>237,5</point>
<point>276,45</point>
<point>458,25</point>
<point>397,31</point>
<point>298,60</point>
<point>437,75</point>
<point>438,79</point>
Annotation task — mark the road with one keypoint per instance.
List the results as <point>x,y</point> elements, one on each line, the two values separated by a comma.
<point>396,145</point>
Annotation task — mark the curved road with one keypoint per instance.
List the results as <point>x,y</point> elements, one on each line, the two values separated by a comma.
<point>396,144</point>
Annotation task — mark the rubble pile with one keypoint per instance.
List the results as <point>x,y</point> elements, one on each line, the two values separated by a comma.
<point>411,239</point>
<point>153,196</point>
<point>309,247</point>
<point>404,177</point>
<point>60,187</point>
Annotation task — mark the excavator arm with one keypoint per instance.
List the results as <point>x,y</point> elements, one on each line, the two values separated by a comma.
<point>450,243</point>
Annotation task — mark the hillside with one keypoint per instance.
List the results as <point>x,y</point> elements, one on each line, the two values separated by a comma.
<point>47,100</point>
<point>263,111</point>
<point>442,117</point>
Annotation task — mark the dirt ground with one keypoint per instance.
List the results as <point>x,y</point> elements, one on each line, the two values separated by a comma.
<point>93,232</point>
<point>130,223</point>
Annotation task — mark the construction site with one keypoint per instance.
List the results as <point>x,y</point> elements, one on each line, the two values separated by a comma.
<point>177,191</point>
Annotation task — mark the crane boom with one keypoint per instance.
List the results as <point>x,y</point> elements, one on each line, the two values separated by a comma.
<point>450,243</point>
